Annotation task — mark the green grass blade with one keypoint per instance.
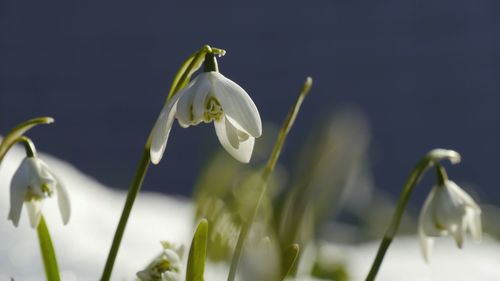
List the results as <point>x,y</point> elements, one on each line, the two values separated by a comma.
<point>48,253</point>
<point>197,253</point>
<point>289,258</point>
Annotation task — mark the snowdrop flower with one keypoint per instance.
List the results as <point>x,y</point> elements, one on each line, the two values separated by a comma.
<point>211,97</point>
<point>32,183</point>
<point>166,267</point>
<point>448,210</point>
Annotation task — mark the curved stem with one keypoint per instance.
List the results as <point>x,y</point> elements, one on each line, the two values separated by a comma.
<point>432,158</point>
<point>442,177</point>
<point>47,251</point>
<point>29,147</point>
<point>189,66</point>
<point>271,163</point>
<point>11,138</point>
<point>181,78</point>
<point>129,203</point>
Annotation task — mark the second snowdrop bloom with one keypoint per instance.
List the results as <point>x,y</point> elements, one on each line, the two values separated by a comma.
<point>32,183</point>
<point>448,210</point>
<point>211,97</point>
<point>166,267</point>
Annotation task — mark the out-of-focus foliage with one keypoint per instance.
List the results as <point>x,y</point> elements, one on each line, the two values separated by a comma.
<point>330,174</point>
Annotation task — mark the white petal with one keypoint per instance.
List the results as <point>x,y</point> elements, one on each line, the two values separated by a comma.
<point>171,276</point>
<point>463,196</point>
<point>225,133</point>
<point>63,202</point>
<point>200,99</point>
<point>237,104</point>
<point>144,275</point>
<point>161,130</point>
<point>34,208</point>
<point>172,257</point>
<point>186,114</point>
<point>43,172</point>
<point>426,219</point>
<point>45,177</point>
<point>426,226</point>
<point>474,223</point>
<point>426,245</point>
<point>18,189</point>
<point>449,209</point>
<point>458,234</point>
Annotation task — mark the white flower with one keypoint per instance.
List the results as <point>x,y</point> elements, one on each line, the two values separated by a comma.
<point>448,210</point>
<point>211,97</point>
<point>166,267</point>
<point>32,183</point>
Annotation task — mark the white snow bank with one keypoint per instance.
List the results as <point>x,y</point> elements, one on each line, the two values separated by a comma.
<point>83,244</point>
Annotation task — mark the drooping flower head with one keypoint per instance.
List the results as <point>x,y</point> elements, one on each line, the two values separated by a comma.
<point>448,210</point>
<point>33,183</point>
<point>211,97</point>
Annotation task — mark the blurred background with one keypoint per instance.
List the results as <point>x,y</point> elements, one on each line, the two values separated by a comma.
<point>416,74</point>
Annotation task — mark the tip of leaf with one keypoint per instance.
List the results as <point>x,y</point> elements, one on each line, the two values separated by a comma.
<point>202,225</point>
<point>307,85</point>
<point>48,120</point>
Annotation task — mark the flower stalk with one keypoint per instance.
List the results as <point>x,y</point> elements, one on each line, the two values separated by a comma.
<point>134,189</point>
<point>13,136</point>
<point>432,158</point>
<point>269,168</point>
<point>182,77</point>
<point>48,254</point>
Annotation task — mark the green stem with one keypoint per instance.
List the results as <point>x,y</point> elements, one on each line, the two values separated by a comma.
<point>442,177</point>
<point>189,66</point>
<point>48,253</point>
<point>12,137</point>
<point>181,78</point>
<point>271,163</point>
<point>432,158</point>
<point>29,147</point>
<point>132,194</point>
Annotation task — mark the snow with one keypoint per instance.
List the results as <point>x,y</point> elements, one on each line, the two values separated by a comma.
<point>83,244</point>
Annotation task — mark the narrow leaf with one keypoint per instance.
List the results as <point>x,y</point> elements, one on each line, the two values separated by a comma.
<point>197,253</point>
<point>289,258</point>
<point>18,131</point>
<point>48,253</point>
<point>179,74</point>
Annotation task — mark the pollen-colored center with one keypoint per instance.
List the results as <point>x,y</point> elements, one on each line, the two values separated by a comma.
<point>213,110</point>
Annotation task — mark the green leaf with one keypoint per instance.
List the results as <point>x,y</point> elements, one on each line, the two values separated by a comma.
<point>18,131</point>
<point>197,253</point>
<point>289,258</point>
<point>48,253</point>
<point>179,74</point>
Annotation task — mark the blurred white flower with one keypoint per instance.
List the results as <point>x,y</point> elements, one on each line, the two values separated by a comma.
<point>166,267</point>
<point>32,183</point>
<point>448,210</point>
<point>211,97</point>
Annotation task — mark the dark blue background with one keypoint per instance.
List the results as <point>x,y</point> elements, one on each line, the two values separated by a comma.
<point>426,73</point>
